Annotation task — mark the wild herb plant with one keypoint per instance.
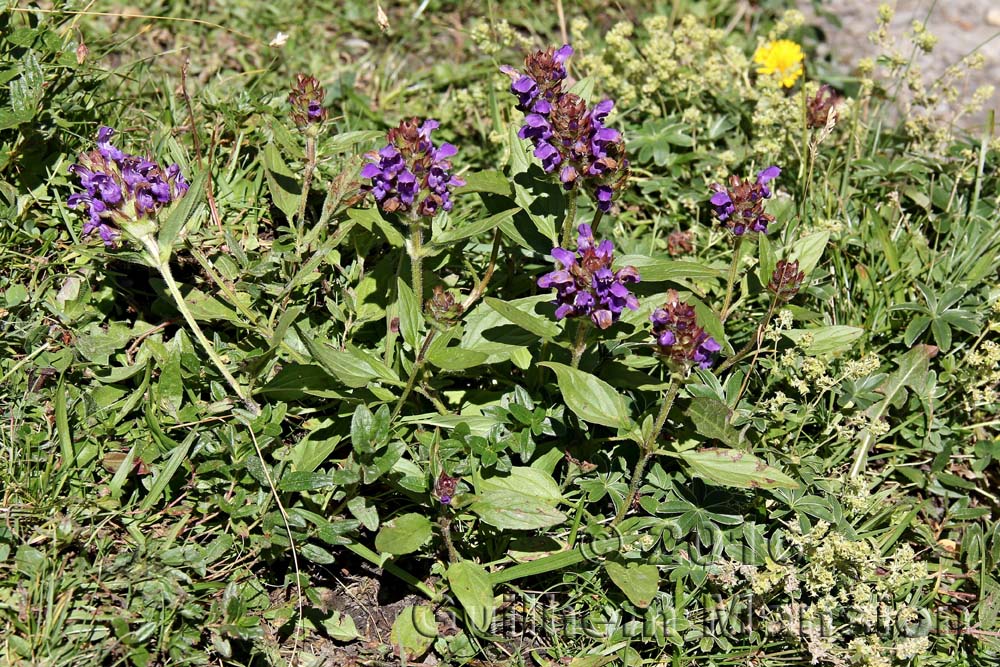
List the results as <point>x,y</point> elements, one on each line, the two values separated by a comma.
<point>656,347</point>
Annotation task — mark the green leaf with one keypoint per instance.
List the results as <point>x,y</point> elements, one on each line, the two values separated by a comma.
<point>369,431</point>
<point>295,381</point>
<point>917,326</point>
<point>475,228</point>
<point>826,340</point>
<point>371,218</point>
<point>471,585</point>
<point>456,358</point>
<point>639,583</point>
<point>413,631</point>
<point>410,319</point>
<point>524,480</point>
<point>543,328</point>
<point>510,510</point>
<point>286,191</point>
<point>300,480</point>
<point>590,398</point>
<point>711,419</point>
<point>914,367</point>
<point>316,554</point>
<point>163,475</point>
<point>654,270</point>
<point>341,627</point>
<point>365,511</point>
<point>731,467</point>
<point>767,259</point>
<point>584,89</point>
<point>808,249</point>
<point>354,367</point>
<point>403,534</point>
<point>490,181</point>
<point>179,214</point>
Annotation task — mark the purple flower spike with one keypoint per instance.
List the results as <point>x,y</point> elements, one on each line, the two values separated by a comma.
<point>566,133</point>
<point>585,284</point>
<point>740,207</point>
<point>119,187</point>
<point>678,337</point>
<point>409,173</point>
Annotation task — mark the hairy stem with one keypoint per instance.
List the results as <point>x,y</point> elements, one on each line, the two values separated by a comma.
<point>567,228</point>
<point>418,364</point>
<point>648,447</point>
<point>300,219</point>
<point>752,343</point>
<point>175,292</point>
<point>444,523</point>
<point>481,285</point>
<point>731,280</point>
<point>415,249</point>
<point>580,344</point>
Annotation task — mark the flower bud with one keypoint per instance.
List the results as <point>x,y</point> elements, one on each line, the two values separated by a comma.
<point>786,280</point>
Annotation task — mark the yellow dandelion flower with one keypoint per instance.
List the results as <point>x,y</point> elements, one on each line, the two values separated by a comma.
<point>782,58</point>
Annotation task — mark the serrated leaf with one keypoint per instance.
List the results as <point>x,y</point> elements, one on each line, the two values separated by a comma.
<point>731,467</point>
<point>471,585</point>
<point>639,583</point>
<point>590,398</point>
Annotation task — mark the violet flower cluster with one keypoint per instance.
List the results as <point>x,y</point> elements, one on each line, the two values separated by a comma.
<point>119,187</point>
<point>566,133</point>
<point>409,173</point>
<point>585,284</point>
<point>678,336</point>
<point>740,207</point>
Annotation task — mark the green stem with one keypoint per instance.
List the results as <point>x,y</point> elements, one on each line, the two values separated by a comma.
<point>415,372</point>
<point>580,344</point>
<point>415,249</point>
<point>648,447</point>
<point>175,292</point>
<point>746,349</point>
<point>597,220</point>
<point>567,228</point>
<point>444,523</point>
<point>306,186</point>
<point>731,280</point>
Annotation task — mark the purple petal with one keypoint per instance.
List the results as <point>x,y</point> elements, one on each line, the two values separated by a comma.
<point>564,257</point>
<point>445,151</point>
<point>721,199</point>
<point>564,52</point>
<point>563,311</point>
<point>768,174</point>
